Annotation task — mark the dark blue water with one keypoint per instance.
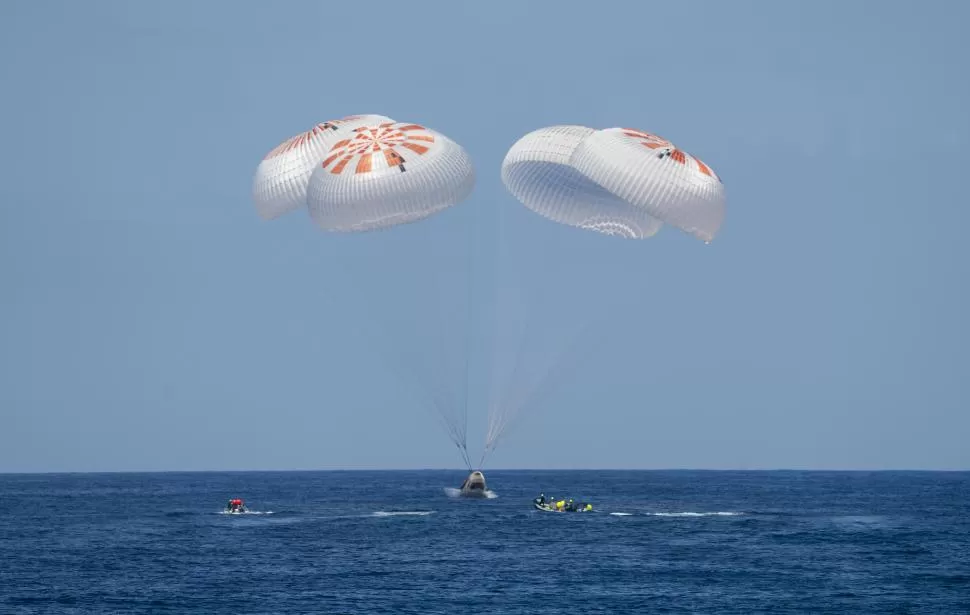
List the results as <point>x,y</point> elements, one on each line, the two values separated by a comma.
<point>329,542</point>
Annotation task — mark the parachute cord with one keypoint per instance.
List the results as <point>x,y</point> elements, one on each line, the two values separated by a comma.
<point>529,391</point>
<point>495,417</point>
<point>499,418</point>
<point>497,260</point>
<point>468,326</point>
<point>407,370</point>
<point>455,430</point>
<point>464,456</point>
<point>463,391</point>
<point>454,433</point>
<point>450,403</point>
<point>430,388</point>
<point>568,358</point>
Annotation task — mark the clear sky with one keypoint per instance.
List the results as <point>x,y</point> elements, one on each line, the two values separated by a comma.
<point>151,321</point>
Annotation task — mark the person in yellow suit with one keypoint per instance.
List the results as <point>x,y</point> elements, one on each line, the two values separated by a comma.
<point>560,504</point>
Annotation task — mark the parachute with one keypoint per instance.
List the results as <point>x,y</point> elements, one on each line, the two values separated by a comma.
<point>281,178</point>
<point>368,172</point>
<point>388,174</point>
<point>617,181</point>
<point>537,171</point>
<point>365,173</point>
<point>620,182</point>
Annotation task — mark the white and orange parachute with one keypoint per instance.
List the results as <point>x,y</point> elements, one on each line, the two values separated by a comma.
<point>617,181</point>
<point>387,174</point>
<point>363,172</point>
<point>280,184</point>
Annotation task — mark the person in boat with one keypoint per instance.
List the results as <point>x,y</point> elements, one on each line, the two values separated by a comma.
<point>541,500</point>
<point>235,505</point>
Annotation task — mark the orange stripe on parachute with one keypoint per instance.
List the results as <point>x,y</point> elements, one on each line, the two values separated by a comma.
<point>340,165</point>
<point>706,170</point>
<point>364,165</point>
<point>289,144</point>
<point>414,147</point>
<point>656,142</point>
<point>639,134</point>
<point>326,163</point>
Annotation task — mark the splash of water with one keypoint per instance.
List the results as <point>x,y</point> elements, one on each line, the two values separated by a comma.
<point>452,492</point>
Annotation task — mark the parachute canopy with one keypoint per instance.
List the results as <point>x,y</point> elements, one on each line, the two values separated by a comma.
<point>537,171</point>
<point>363,172</point>
<point>367,172</point>
<point>617,181</point>
<point>280,184</point>
<point>387,174</point>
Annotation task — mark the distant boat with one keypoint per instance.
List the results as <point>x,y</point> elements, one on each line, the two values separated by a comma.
<point>236,507</point>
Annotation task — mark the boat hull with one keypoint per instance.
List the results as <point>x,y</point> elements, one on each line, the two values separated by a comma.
<point>547,508</point>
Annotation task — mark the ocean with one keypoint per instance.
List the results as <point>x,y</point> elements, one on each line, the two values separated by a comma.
<point>398,542</point>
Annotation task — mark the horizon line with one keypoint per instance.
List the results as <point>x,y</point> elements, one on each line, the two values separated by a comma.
<point>462,470</point>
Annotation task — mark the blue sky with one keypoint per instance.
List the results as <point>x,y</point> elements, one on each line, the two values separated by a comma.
<point>151,321</point>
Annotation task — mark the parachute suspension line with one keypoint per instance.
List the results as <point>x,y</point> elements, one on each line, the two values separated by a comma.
<point>567,359</point>
<point>452,405</point>
<point>494,385</point>
<point>508,407</point>
<point>425,387</point>
<point>531,390</point>
<point>498,406</point>
<point>468,325</point>
<point>465,458</point>
<point>512,402</point>
<point>498,414</point>
<point>379,195</point>
<point>454,431</point>
<point>531,396</point>
<point>424,394</point>
<point>455,427</point>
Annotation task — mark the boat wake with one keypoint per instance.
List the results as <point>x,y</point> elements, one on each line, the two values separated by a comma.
<point>452,492</point>
<point>402,513</point>
<point>677,514</point>
<point>695,514</point>
<point>248,512</point>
